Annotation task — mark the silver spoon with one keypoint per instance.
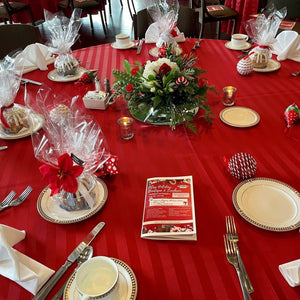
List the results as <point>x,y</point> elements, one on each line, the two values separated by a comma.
<point>296,74</point>
<point>85,255</point>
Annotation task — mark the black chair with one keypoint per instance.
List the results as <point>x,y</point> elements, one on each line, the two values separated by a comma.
<point>17,37</point>
<point>293,7</point>
<point>188,22</point>
<point>208,15</point>
<point>10,8</point>
<point>88,6</point>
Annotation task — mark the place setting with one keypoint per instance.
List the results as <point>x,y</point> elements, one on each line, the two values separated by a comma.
<point>236,116</point>
<point>17,121</point>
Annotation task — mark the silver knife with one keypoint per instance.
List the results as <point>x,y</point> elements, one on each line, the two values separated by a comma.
<point>139,49</point>
<point>45,290</point>
<point>25,80</point>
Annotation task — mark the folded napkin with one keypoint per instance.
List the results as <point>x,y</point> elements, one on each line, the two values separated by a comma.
<point>152,34</point>
<point>33,57</point>
<point>18,267</point>
<point>291,272</point>
<point>287,46</point>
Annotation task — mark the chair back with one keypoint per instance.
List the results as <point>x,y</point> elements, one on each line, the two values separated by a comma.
<point>7,6</point>
<point>17,37</point>
<point>293,7</point>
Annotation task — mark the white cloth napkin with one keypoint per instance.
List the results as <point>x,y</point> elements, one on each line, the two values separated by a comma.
<point>287,46</point>
<point>152,34</point>
<point>33,57</point>
<point>291,272</point>
<point>18,267</point>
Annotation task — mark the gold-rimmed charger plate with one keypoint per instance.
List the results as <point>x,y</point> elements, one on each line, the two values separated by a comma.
<point>239,116</point>
<point>52,212</point>
<point>127,284</point>
<point>268,203</point>
<point>273,65</point>
<point>52,75</point>
<point>36,123</point>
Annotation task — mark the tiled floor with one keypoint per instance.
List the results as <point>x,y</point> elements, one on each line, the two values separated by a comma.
<point>118,22</point>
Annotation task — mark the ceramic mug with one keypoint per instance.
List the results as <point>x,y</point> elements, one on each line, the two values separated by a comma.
<point>122,40</point>
<point>239,40</point>
<point>97,279</point>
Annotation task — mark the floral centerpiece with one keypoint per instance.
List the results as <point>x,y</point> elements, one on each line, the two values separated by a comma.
<point>166,91</point>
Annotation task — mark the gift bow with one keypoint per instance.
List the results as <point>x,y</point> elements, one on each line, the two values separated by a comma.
<point>109,167</point>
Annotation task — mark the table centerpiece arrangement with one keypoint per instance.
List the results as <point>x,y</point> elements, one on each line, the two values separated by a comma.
<point>167,91</point>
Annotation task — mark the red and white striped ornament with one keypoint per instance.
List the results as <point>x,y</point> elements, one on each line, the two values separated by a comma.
<point>241,165</point>
<point>182,80</point>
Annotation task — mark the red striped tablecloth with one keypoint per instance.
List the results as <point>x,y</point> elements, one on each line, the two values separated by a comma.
<point>171,270</point>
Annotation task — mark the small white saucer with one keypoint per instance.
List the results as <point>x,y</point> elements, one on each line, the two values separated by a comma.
<point>245,47</point>
<point>130,45</point>
<point>127,284</point>
<point>52,75</point>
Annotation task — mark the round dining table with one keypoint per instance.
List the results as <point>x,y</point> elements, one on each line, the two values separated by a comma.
<point>173,269</point>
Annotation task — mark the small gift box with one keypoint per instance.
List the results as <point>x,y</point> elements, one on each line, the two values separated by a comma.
<point>96,100</point>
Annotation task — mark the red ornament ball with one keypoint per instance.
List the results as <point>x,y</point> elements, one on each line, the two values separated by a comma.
<point>292,115</point>
<point>241,165</point>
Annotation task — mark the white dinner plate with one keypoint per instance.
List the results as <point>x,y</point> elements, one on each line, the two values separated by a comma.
<point>273,65</point>
<point>268,203</point>
<point>52,212</point>
<point>52,75</point>
<point>238,116</point>
<point>37,122</point>
<point>115,46</point>
<point>245,47</point>
<point>127,284</point>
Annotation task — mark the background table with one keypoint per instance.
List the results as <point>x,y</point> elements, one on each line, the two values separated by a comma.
<point>171,269</point>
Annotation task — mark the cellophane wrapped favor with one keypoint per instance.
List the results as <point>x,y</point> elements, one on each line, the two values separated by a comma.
<point>164,29</point>
<point>262,31</point>
<point>13,116</point>
<point>63,35</point>
<point>71,146</point>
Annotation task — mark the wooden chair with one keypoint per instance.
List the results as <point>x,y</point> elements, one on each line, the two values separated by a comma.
<point>10,8</point>
<point>88,6</point>
<point>188,22</point>
<point>17,37</point>
<point>208,15</point>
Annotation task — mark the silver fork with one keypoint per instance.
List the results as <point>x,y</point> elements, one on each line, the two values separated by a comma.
<point>7,199</point>
<point>232,235</point>
<point>233,260</point>
<point>20,199</point>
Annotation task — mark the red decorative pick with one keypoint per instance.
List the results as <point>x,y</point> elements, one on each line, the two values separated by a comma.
<point>64,176</point>
<point>162,51</point>
<point>241,165</point>
<point>109,167</point>
<point>86,77</point>
<point>292,115</point>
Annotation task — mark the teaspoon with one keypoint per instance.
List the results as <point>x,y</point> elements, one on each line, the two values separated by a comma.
<point>85,255</point>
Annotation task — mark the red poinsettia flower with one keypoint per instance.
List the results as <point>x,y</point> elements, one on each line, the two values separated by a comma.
<point>129,87</point>
<point>64,176</point>
<point>164,69</point>
<point>134,71</point>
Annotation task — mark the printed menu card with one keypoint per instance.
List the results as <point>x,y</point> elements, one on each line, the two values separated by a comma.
<point>169,211</point>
